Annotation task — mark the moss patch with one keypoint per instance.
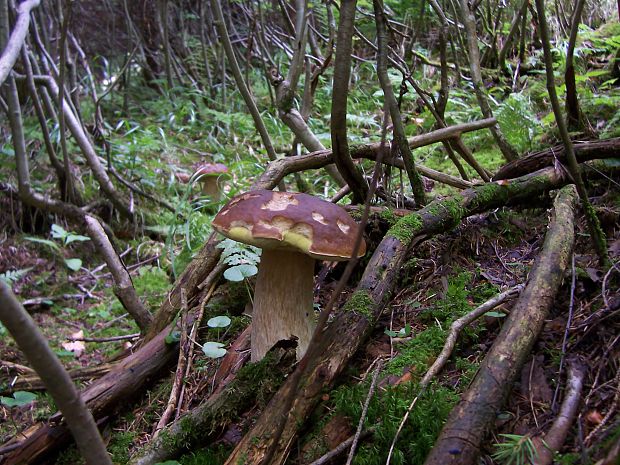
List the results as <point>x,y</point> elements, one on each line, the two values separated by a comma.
<point>360,302</point>
<point>406,228</point>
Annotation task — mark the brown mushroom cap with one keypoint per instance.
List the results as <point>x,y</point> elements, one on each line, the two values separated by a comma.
<point>211,169</point>
<point>290,221</point>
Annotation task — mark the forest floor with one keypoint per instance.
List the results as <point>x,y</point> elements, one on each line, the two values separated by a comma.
<point>446,277</point>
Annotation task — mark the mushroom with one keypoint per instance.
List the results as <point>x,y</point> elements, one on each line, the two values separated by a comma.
<point>209,174</point>
<point>294,230</point>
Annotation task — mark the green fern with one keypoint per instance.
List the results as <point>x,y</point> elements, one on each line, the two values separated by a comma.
<point>12,276</point>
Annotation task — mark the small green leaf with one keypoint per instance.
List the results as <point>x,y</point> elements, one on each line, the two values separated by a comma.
<point>391,333</point>
<point>169,462</point>
<point>58,232</point>
<point>75,238</point>
<point>19,399</point>
<point>46,242</point>
<point>64,353</point>
<point>240,272</point>
<point>173,337</point>
<point>213,349</point>
<point>219,321</point>
<point>495,314</point>
<point>73,264</point>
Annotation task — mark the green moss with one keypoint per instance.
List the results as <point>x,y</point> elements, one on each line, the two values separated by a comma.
<point>215,455</point>
<point>389,216</point>
<point>360,302</point>
<point>120,446</point>
<point>406,228</point>
<point>254,383</point>
<point>385,413</point>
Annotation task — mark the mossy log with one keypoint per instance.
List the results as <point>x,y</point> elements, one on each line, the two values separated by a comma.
<point>461,437</point>
<point>584,151</point>
<point>330,355</point>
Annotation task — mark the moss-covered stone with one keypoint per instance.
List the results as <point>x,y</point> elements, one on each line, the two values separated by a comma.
<point>360,302</point>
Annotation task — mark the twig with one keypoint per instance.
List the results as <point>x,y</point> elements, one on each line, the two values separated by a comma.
<point>609,414</point>
<point>360,425</point>
<point>556,435</point>
<point>17,39</point>
<point>105,339</point>
<point>604,293</point>
<point>455,329</point>
<point>458,325</point>
<point>571,307</point>
<point>184,348</point>
<point>341,448</point>
<point>190,353</point>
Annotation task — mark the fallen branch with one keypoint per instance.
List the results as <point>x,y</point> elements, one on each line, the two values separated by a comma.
<point>464,430</point>
<point>37,351</point>
<point>584,151</point>
<point>554,439</point>
<point>236,393</point>
<point>32,382</point>
<point>460,324</point>
<point>101,397</point>
<point>455,330</point>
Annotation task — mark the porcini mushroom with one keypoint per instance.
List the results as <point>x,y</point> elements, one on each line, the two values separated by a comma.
<point>294,230</point>
<point>209,176</point>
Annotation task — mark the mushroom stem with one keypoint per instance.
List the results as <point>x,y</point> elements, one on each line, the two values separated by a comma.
<point>211,187</point>
<point>283,301</point>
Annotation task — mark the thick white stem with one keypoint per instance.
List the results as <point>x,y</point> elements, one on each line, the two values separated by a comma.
<point>283,302</point>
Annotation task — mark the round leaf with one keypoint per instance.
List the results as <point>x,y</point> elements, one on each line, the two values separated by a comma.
<point>213,349</point>
<point>73,264</point>
<point>239,272</point>
<point>219,321</point>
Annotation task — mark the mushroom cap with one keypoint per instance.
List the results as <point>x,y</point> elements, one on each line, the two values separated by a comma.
<point>211,169</point>
<point>290,221</point>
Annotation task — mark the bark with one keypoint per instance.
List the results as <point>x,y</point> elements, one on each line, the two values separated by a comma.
<point>57,381</point>
<point>584,151</point>
<point>330,355</point>
<point>123,382</point>
<point>338,124</point>
<point>462,435</point>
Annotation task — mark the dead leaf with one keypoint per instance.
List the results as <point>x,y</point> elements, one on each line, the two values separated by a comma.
<point>534,384</point>
<point>594,417</point>
<point>77,347</point>
<point>595,274</point>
